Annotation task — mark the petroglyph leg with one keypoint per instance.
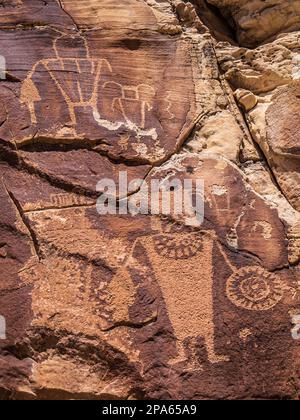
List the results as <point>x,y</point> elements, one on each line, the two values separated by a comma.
<point>181,354</point>
<point>210,345</point>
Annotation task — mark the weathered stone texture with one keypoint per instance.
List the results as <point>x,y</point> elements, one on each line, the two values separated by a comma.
<point>122,307</point>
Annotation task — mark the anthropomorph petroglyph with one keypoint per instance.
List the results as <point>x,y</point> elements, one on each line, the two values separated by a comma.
<point>183,268</point>
<point>182,263</point>
<point>80,89</point>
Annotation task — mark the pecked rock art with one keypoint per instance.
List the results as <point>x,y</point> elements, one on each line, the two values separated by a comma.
<point>140,98</point>
<point>173,253</point>
<point>254,289</point>
<point>181,261</point>
<point>148,306</point>
<point>124,285</point>
<point>172,250</point>
<point>77,94</point>
<point>88,96</point>
<point>72,93</point>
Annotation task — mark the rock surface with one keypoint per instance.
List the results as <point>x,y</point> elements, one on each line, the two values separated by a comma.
<point>114,306</point>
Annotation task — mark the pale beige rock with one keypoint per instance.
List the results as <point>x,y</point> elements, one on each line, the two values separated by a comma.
<point>256,21</point>
<point>220,134</point>
<point>246,99</point>
<point>270,74</point>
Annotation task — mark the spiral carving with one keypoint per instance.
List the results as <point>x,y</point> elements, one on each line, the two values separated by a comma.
<point>255,289</point>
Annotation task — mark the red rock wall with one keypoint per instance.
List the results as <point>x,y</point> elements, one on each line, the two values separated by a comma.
<point>114,306</point>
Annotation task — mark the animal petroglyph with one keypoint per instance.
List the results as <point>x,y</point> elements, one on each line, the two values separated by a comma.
<point>70,75</point>
<point>142,95</point>
<point>67,200</point>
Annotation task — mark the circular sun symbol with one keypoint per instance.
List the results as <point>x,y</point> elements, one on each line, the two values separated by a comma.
<point>255,289</point>
<point>178,246</point>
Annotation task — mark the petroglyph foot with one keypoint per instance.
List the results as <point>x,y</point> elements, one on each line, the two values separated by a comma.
<point>193,366</point>
<point>218,359</point>
<point>181,356</point>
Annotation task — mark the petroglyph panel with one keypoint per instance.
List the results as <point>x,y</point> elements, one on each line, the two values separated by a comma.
<point>163,306</point>
<point>167,262</point>
<point>153,286</point>
<point>98,90</point>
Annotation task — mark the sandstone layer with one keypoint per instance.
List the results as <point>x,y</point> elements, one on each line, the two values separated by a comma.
<point>150,306</point>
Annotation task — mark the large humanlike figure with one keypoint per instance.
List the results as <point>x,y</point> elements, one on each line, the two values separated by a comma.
<point>79,79</point>
<point>181,262</point>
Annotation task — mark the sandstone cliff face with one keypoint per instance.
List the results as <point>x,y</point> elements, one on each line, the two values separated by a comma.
<point>124,307</point>
<point>257,21</point>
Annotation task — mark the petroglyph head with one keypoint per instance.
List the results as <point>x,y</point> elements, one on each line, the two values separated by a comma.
<point>71,46</point>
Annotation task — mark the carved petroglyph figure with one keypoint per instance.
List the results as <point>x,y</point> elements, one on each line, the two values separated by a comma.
<point>220,199</point>
<point>75,92</point>
<point>184,270</point>
<point>67,200</point>
<point>142,95</point>
<point>2,328</point>
<point>77,79</point>
<point>183,266</point>
<point>255,289</point>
